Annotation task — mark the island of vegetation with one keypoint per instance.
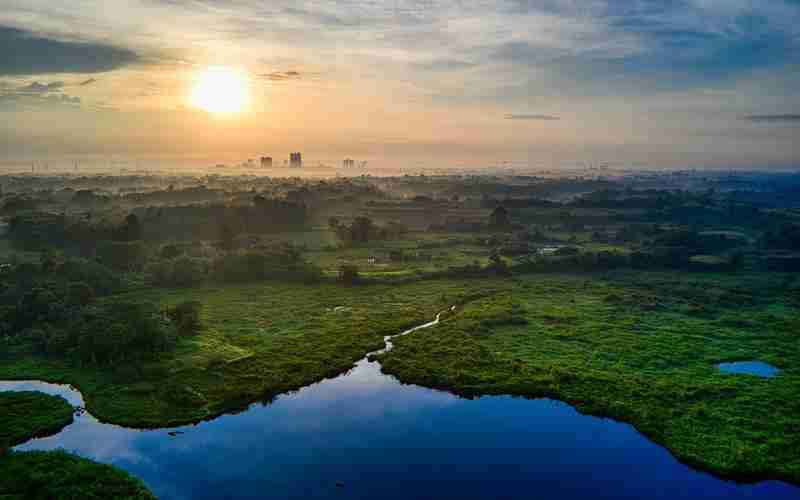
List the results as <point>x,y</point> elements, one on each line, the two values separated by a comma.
<point>36,475</point>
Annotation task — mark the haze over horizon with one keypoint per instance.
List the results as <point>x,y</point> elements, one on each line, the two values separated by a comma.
<point>689,83</point>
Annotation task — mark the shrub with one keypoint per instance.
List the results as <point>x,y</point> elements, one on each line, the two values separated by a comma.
<point>186,317</point>
<point>348,274</point>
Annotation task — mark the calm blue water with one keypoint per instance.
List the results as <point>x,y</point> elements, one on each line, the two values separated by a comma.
<point>758,368</point>
<point>381,439</point>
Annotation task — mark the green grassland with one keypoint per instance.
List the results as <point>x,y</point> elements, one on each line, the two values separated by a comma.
<point>48,475</point>
<point>257,341</point>
<point>638,347</point>
<point>31,414</point>
<point>422,253</point>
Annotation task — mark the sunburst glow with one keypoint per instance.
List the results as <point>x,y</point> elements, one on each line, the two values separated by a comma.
<point>220,90</point>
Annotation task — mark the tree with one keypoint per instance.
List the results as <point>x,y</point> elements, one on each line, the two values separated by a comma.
<point>348,274</point>
<point>499,218</point>
<point>131,230</point>
<point>123,255</point>
<point>361,229</point>
<point>227,236</point>
<point>186,317</point>
<point>80,294</point>
<point>497,264</point>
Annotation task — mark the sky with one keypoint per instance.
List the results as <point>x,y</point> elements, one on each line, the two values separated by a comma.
<point>672,83</point>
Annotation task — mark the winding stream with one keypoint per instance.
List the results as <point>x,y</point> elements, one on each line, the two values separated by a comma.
<point>365,435</point>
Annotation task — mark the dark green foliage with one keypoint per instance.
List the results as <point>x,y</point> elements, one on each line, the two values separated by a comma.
<point>499,219</point>
<point>101,333</point>
<point>186,317</point>
<point>123,255</point>
<point>179,272</point>
<point>24,415</point>
<point>131,230</point>
<point>170,251</point>
<point>226,236</point>
<point>272,262</point>
<point>363,230</point>
<point>59,475</point>
<point>348,274</point>
<point>360,231</point>
<point>79,294</point>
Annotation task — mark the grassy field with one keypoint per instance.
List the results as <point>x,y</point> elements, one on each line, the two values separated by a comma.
<point>641,348</point>
<point>422,253</point>
<point>31,414</point>
<point>257,341</point>
<point>49,475</point>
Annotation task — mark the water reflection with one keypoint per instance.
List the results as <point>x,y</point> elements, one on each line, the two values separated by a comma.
<point>757,368</point>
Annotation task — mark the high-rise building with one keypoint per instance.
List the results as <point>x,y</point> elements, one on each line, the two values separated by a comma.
<point>348,163</point>
<point>295,160</point>
<point>266,162</point>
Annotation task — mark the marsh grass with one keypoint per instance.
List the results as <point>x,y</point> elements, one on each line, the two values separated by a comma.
<point>630,347</point>
<point>39,475</point>
<point>48,475</point>
<point>24,415</point>
<point>256,341</point>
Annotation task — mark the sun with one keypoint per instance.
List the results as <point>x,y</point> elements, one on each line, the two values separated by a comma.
<point>220,90</point>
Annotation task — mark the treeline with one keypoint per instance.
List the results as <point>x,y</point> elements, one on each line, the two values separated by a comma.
<point>37,230</point>
<point>676,258</point>
<point>278,261</point>
<point>363,230</point>
<point>206,222</point>
<point>53,308</point>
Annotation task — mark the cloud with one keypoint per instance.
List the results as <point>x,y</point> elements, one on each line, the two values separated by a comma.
<point>36,94</point>
<point>778,118</point>
<point>532,117</point>
<point>25,53</point>
<point>39,88</point>
<point>282,76</point>
<point>87,82</point>
<point>444,64</point>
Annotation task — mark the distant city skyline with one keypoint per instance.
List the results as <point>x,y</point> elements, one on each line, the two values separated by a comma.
<point>693,83</point>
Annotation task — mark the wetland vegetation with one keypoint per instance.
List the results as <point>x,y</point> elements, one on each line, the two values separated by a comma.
<point>173,300</point>
<point>56,474</point>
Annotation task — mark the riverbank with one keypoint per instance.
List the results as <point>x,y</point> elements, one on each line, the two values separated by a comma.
<point>55,474</point>
<point>257,341</point>
<point>25,415</point>
<point>638,349</point>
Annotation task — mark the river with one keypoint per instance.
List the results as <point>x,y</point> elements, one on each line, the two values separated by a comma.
<point>365,435</point>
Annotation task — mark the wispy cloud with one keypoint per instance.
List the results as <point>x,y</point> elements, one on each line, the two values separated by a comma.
<point>532,117</point>
<point>777,118</point>
<point>26,53</point>
<point>36,94</point>
<point>39,88</point>
<point>282,76</point>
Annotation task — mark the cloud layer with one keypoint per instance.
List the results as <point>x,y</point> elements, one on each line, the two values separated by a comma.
<point>778,118</point>
<point>25,53</point>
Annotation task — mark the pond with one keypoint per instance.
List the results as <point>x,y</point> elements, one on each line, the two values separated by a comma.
<point>363,435</point>
<point>757,368</point>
